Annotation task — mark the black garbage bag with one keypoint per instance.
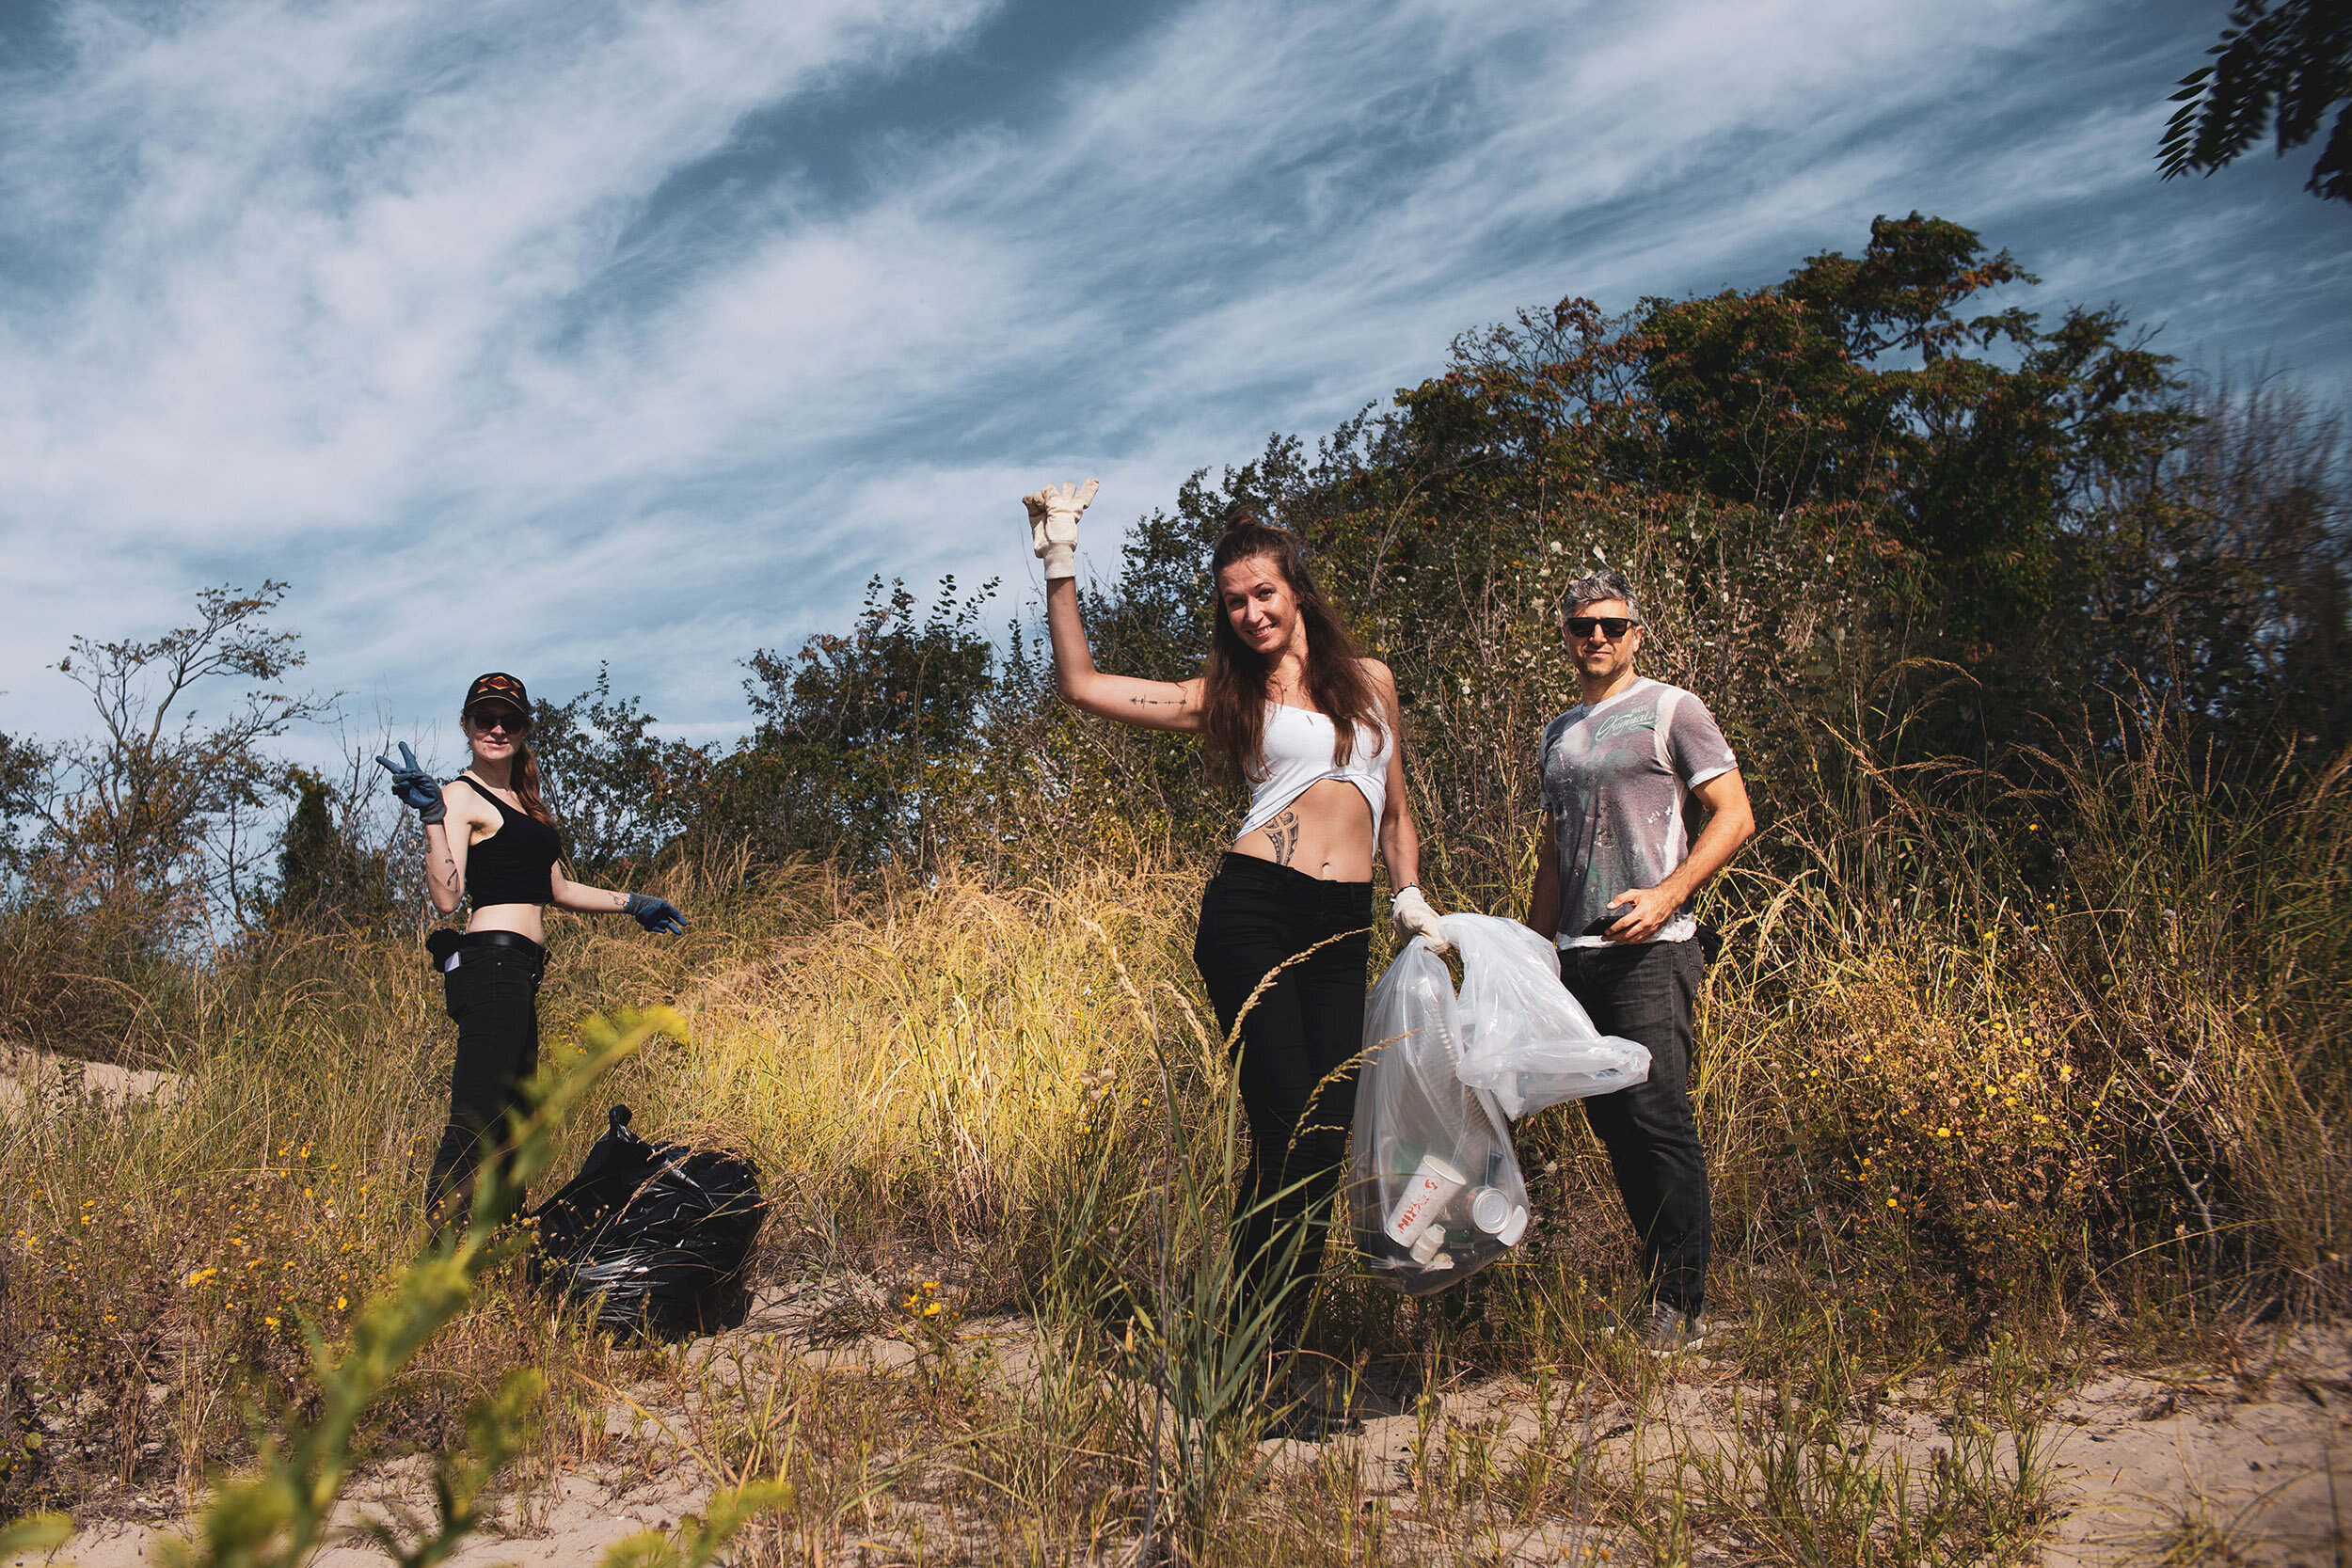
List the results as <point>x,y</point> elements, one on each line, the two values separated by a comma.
<point>652,1238</point>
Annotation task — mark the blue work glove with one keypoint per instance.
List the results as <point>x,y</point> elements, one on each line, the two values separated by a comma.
<point>415,787</point>
<point>655,914</point>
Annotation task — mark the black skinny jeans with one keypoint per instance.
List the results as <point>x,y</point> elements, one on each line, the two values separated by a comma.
<point>1294,1058</point>
<point>1645,992</point>
<point>493,994</point>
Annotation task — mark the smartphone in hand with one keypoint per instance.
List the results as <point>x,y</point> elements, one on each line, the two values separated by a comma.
<point>1608,918</point>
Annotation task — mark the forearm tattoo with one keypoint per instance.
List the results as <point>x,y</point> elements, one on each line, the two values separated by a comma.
<point>1282,832</point>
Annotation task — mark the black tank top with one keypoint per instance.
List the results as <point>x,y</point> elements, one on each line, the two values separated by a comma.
<point>511,866</point>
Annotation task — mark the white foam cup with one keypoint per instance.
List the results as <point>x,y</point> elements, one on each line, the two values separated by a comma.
<point>1431,1244</point>
<point>1428,1191</point>
<point>1516,1227</point>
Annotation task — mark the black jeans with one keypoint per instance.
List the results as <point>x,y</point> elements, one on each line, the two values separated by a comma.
<point>1294,1058</point>
<point>1644,992</point>
<point>493,994</point>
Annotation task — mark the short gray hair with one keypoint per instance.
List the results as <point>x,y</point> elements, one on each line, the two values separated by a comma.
<point>1594,587</point>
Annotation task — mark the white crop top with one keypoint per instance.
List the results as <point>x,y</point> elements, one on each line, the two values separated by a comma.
<point>1298,754</point>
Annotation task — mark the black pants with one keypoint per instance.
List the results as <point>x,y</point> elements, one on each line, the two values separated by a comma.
<point>1644,991</point>
<point>493,994</point>
<point>1294,1058</point>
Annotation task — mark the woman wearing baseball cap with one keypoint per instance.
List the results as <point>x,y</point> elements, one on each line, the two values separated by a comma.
<point>493,841</point>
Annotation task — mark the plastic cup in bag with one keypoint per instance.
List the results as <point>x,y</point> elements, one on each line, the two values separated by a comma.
<point>1490,1209</point>
<point>1429,1189</point>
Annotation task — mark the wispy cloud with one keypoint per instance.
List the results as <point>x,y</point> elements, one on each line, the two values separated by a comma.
<point>535,335</point>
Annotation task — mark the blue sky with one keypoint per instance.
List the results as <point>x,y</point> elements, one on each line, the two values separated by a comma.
<point>527,336</point>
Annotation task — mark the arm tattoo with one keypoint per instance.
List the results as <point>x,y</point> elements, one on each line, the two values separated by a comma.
<point>1156,701</point>
<point>1282,832</point>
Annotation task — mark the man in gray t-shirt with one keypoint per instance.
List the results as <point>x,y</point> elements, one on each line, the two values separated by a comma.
<point>1620,777</point>
<point>1625,774</point>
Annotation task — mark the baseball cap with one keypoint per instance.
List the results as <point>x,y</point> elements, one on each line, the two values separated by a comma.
<point>498,687</point>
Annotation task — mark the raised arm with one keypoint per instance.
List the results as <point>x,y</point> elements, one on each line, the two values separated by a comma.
<point>1152,704</point>
<point>445,840</point>
<point>1054,513</point>
<point>445,863</point>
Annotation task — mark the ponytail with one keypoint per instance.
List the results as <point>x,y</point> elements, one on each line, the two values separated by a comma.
<point>525,777</point>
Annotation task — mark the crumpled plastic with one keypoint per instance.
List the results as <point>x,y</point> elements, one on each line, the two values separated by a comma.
<point>1434,1183</point>
<point>1525,1040</point>
<point>652,1239</point>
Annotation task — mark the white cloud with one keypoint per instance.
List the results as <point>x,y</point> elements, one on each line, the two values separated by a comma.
<point>334,229</point>
<point>439,311</point>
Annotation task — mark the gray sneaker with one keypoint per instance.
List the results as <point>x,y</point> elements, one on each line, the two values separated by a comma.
<point>1671,1331</point>
<point>1662,1328</point>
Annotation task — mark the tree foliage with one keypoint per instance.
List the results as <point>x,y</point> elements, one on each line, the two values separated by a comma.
<point>2287,63</point>
<point>861,734</point>
<point>1879,509</point>
<point>620,793</point>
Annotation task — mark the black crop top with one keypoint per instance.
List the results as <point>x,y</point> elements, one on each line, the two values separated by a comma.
<point>511,866</point>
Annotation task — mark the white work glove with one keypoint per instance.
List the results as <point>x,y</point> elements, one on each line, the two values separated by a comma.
<point>1410,916</point>
<point>1054,513</point>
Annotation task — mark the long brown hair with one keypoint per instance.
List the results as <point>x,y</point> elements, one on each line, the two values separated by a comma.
<point>1235,680</point>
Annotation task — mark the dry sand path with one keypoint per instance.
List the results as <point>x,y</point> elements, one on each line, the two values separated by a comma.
<point>2252,1467</point>
<point>26,1074</point>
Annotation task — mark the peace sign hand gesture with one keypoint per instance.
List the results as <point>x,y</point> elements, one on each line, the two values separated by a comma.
<point>415,787</point>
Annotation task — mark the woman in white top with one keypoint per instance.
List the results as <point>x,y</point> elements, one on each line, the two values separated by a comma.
<point>1312,727</point>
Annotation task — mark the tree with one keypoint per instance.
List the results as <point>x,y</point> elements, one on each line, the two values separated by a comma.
<point>23,769</point>
<point>2291,61</point>
<point>862,733</point>
<point>326,878</point>
<point>620,793</point>
<point>155,814</point>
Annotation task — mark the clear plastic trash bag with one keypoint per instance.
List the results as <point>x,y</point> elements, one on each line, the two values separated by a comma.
<point>1434,1184</point>
<point>651,1238</point>
<point>1524,1038</point>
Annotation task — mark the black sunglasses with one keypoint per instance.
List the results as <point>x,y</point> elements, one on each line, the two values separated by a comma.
<point>1612,627</point>
<point>504,720</point>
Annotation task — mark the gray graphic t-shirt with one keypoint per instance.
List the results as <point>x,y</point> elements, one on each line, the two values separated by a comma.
<point>1617,779</point>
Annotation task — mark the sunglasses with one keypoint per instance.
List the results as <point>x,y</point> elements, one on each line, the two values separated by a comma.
<point>503,721</point>
<point>1612,627</point>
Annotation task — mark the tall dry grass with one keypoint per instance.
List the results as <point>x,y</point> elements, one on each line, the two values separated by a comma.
<point>1939,1126</point>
